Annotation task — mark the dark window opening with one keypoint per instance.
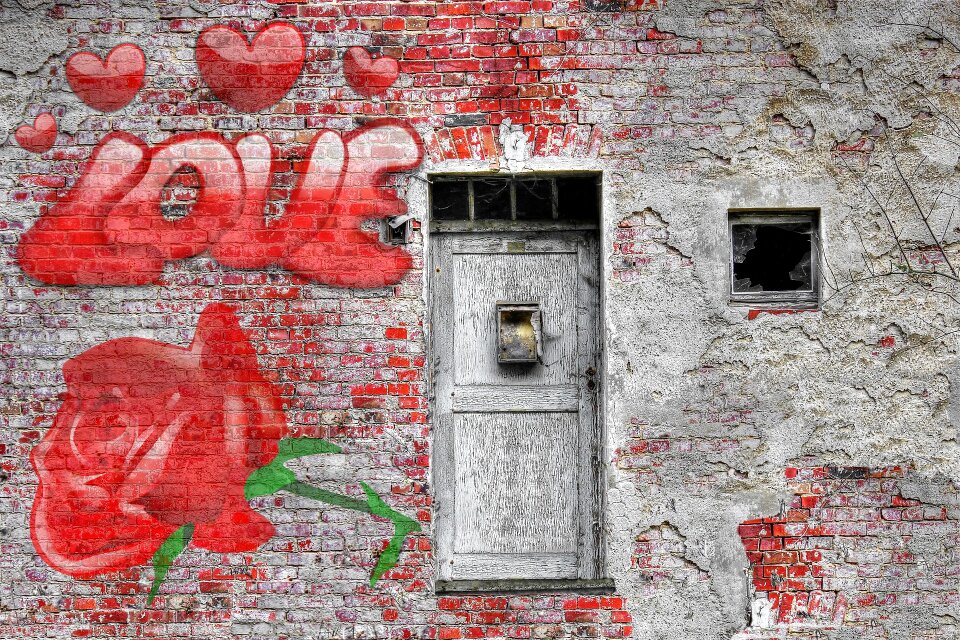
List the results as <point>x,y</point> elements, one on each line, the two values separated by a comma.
<point>450,200</point>
<point>578,199</point>
<point>566,199</point>
<point>534,199</point>
<point>492,200</point>
<point>772,257</point>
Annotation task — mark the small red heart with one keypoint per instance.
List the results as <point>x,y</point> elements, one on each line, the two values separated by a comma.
<point>110,85</point>
<point>41,136</point>
<point>369,77</point>
<point>251,77</point>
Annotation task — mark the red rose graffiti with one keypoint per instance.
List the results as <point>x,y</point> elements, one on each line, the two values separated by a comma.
<point>110,229</point>
<point>158,446</point>
<point>152,437</point>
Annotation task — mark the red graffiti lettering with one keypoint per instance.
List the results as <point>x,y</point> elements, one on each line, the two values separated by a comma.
<point>110,228</point>
<point>69,244</point>
<point>137,218</point>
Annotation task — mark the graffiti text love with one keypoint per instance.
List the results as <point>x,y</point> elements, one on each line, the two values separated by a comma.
<point>110,228</point>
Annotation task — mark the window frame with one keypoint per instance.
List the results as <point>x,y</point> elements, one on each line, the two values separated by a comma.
<point>471,224</point>
<point>806,299</point>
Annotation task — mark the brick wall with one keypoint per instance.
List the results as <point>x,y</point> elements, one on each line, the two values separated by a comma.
<point>850,548</point>
<point>589,82</point>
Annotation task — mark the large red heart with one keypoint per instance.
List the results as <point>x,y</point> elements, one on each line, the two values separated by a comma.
<point>41,136</point>
<point>251,77</point>
<point>367,76</point>
<point>107,85</point>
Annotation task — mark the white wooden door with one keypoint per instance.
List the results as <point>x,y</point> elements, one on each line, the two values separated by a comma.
<point>516,445</point>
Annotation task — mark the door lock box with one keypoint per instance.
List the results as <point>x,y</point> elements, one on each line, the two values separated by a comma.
<point>519,334</point>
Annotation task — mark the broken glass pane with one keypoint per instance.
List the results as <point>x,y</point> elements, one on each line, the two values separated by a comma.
<point>772,257</point>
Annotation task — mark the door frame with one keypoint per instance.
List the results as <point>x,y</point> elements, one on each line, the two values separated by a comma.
<point>600,583</point>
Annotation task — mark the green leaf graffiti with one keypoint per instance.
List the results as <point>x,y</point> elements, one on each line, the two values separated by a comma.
<point>166,554</point>
<point>402,525</point>
<point>275,477</point>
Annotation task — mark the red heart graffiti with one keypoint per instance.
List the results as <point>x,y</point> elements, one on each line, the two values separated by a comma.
<point>367,76</point>
<point>251,77</point>
<point>107,85</point>
<point>41,136</point>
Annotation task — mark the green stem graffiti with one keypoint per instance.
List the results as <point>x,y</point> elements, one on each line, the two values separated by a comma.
<point>402,525</point>
<point>305,490</point>
<point>275,477</point>
<point>166,554</point>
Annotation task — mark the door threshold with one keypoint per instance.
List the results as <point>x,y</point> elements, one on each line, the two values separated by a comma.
<point>592,586</point>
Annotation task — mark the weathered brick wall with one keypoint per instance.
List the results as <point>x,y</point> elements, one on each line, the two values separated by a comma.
<point>689,108</point>
<point>851,549</point>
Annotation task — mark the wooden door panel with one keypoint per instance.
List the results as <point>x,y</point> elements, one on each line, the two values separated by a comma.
<point>482,280</point>
<point>516,398</point>
<point>507,566</point>
<point>515,472</point>
<point>516,445</point>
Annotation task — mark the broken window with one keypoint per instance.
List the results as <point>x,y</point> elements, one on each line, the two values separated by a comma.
<point>774,257</point>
